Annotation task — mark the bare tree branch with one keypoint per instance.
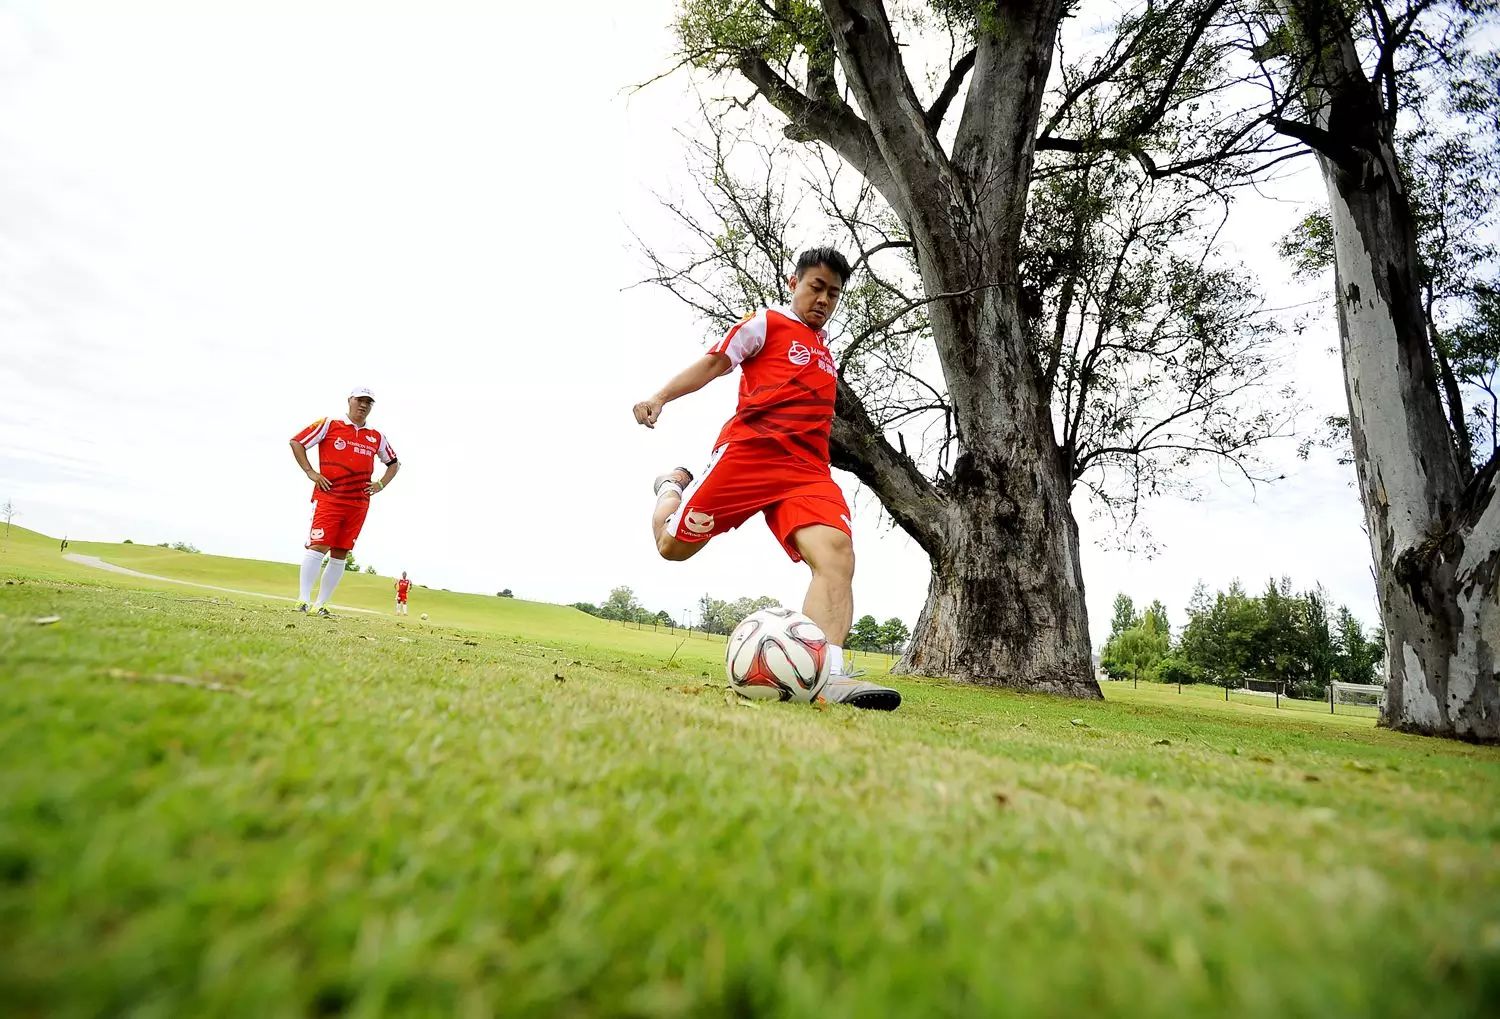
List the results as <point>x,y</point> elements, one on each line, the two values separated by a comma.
<point>939,108</point>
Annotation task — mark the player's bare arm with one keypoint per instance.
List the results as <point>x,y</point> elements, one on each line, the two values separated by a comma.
<point>391,469</point>
<point>691,379</point>
<point>299,453</point>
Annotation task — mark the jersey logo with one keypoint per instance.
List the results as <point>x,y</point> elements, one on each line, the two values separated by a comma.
<point>798,354</point>
<point>699,523</point>
<point>370,438</point>
<point>338,443</point>
<point>317,532</point>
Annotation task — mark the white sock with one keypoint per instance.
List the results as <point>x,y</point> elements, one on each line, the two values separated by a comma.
<point>331,578</point>
<point>835,660</point>
<point>312,562</point>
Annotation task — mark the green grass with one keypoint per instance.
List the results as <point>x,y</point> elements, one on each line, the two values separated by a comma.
<point>517,809</point>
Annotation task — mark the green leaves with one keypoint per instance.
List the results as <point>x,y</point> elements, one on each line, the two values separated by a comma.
<point>711,33</point>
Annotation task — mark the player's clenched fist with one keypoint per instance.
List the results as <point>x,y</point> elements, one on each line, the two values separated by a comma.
<point>647,411</point>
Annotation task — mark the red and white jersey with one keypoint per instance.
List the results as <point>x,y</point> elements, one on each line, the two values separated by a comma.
<point>346,456</point>
<point>788,384</point>
<point>402,586</point>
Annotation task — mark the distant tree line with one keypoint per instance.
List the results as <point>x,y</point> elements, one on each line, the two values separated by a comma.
<point>889,637</point>
<point>622,605</point>
<point>715,615</point>
<point>1232,636</point>
<point>177,546</point>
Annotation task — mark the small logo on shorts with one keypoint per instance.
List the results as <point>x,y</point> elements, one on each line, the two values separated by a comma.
<point>699,523</point>
<point>798,354</point>
<point>338,443</point>
<point>317,532</point>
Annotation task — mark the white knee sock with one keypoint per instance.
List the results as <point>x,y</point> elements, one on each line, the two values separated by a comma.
<point>835,660</point>
<point>312,562</point>
<point>331,578</point>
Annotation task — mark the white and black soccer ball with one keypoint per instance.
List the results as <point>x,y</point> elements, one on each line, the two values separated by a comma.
<point>424,615</point>
<point>778,655</point>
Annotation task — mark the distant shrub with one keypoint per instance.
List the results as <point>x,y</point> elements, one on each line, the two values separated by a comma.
<point>182,546</point>
<point>127,541</point>
<point>369,569</point>
<point>504,594</point>
<point>1175,670</point>
<point>586,606</point>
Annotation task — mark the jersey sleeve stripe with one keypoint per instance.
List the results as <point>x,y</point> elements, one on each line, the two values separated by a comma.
<point>743,341</point>
<point>313,433</point>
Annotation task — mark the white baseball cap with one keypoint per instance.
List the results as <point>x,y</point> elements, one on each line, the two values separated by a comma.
<point>362,391</point>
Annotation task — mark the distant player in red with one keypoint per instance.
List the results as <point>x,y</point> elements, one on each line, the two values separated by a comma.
<point>402,586</point>
<point>772,456</point>
<point>347,451</point>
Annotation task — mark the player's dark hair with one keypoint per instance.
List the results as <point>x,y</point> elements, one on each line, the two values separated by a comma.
<point>825,256</point>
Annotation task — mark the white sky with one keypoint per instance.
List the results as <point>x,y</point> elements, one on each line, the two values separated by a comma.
<point>217,217</point>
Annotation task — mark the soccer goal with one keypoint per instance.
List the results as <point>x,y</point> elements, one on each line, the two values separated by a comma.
<point>1355,695</point>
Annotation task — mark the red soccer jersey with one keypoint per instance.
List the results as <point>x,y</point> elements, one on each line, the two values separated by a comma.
<point>402,586</point>
<point>788,384</point>
<point>346,456</point>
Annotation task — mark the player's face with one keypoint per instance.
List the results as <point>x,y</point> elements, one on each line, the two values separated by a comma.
<point>359,408</point>
<point>815,294</point>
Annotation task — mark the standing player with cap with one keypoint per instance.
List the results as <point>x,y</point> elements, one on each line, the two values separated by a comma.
<point>342,486</point>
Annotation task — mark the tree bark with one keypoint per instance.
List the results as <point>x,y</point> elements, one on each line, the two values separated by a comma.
<point>1005,605</point>
<point>1435,542</point>
<point>1005,602</point>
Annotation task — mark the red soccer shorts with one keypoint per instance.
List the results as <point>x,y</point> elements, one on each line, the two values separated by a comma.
<point>742,480</point>
<point>336,524</point>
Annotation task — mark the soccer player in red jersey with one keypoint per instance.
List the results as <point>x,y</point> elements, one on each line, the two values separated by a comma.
<point>402,586</point>
<point>772,456</point>
<point>347,451</point>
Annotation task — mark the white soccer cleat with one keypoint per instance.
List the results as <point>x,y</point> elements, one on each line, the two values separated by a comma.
<point>843,688</point>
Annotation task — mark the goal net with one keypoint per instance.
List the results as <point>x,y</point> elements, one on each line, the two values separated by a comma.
<point>1355,695</point>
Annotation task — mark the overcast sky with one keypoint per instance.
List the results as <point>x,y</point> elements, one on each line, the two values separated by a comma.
<point>216,217</point>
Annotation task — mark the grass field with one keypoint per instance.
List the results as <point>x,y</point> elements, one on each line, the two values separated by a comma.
<point>210,805</point>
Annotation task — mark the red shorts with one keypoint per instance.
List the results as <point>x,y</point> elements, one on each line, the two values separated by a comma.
<point>742,480</point>
<point>401,598</point>
<point>336,524</point>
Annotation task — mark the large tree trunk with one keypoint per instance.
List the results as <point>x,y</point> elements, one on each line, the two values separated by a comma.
<point>1005,602</point>
<point>1435,542</point>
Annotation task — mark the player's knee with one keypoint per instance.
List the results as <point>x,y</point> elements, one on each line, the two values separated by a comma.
<point>833,555</point>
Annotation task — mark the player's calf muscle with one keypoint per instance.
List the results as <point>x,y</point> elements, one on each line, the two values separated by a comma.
<point>672,550</point>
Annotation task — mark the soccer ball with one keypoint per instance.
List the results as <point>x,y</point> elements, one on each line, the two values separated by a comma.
<point>778,655</point>
<point>424,615</point>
